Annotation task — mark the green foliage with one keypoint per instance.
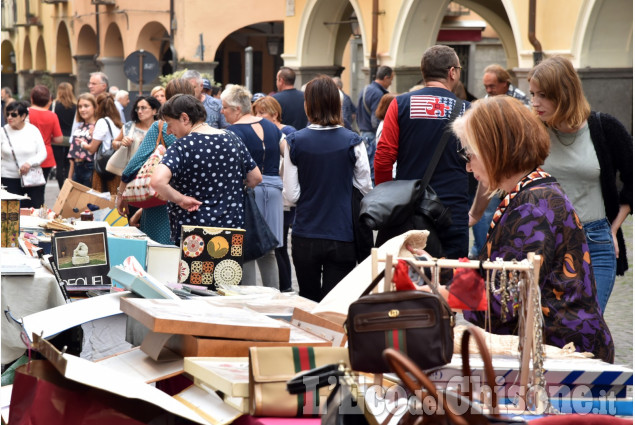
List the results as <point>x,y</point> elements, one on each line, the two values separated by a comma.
<point>178,74</point>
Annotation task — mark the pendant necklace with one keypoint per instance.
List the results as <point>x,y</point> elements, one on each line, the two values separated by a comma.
<point>557,133</point>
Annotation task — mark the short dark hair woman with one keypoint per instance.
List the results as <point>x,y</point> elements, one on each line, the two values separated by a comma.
<point>504,144</point>
<point>23,140</point>
<point>322,163</point>
<point>202,173</point>
<point>154,221</point>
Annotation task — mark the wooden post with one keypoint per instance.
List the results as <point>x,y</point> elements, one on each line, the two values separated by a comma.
<point>388,273</point>
<point>529,343</point>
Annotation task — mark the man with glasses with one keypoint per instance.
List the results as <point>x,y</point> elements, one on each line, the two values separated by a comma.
<point>413,126</point>
<point>98,83</point>
<point>497,81</point>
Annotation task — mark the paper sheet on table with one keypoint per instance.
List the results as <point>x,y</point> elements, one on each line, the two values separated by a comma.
<point>55,320</point>
<point>5,401</point>
<point>136,363</point>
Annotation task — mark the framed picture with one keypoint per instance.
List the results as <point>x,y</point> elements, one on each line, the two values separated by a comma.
<point>81,257</point>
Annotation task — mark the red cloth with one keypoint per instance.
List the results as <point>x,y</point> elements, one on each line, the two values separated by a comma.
<point>49,126</point>
<point>467,291</point>
<point>401,278</point>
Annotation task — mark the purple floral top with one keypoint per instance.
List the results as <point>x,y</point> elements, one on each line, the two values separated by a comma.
<point>83,133</point>
<point>541,219</point>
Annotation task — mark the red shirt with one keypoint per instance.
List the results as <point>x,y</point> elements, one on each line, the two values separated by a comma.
<point>49,126</point>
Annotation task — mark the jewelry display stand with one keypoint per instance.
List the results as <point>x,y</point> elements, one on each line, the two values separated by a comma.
<point>527,277</point>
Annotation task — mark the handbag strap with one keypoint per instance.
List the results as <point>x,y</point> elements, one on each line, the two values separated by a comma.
<point>412,376</point>
<point>11,146</point>
<point>477,335</point>
<point>458,105</point>
<point>160,136</point>
<point>314,378</point>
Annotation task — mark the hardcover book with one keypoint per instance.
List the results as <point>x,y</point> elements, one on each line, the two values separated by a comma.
<point>81,257</point>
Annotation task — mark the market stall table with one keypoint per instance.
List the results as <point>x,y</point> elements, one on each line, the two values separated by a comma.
<point>24,295</point>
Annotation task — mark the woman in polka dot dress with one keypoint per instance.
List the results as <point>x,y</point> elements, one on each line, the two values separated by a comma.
<point>201,174</point>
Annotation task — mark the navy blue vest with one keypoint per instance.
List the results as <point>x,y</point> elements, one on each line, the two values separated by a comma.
<point>422,117</point>
<point>325,161</point>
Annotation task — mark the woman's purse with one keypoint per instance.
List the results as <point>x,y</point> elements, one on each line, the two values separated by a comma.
<point>341,405</point>
<point>34,177</point>
<point>416,322</point>
<point>102,156</point>
<point>118,162</point>
<point>138,192</point>
<point>259,239</point>
<point>456,408</point>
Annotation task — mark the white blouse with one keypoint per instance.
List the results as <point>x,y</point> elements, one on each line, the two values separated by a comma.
<point>28,146</point>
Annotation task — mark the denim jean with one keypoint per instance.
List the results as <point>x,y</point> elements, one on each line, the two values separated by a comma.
<point>602,250</point>
<point>83,173</point>
<point>479,230</point>
<point>371,148</point>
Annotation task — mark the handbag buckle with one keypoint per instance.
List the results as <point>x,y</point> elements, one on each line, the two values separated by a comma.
<point>393,313</point>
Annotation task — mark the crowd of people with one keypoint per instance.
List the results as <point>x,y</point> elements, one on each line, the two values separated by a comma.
<point>549,175</point>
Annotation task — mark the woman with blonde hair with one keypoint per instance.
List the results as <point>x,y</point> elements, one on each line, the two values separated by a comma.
<point>504,144</point>
<point>65,107</point>
<point>587,150</point>
<point>107,127</point>
<point>158,93</point>
<point>268,107</point>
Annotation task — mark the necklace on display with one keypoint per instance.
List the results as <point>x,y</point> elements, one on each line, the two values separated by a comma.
<point>557,133</point>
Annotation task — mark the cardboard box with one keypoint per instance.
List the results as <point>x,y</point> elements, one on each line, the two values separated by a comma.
<point>75,195</point>
<point>198,346</point>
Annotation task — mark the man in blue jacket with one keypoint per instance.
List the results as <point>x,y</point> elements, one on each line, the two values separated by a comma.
<point>367,105</point>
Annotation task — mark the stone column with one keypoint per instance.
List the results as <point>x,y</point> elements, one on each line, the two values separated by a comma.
<point>405,78</point>
<point>26,81</point>
<point>63,78</point>
<point>85,65</point>
<point>113,68</point>
<point>304,74</point>
<point>206,67</point>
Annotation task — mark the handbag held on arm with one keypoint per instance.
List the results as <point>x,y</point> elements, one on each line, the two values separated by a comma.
<point>138,192</point>
<point>418,323</point>
<point>102,156</point>
<point>396,206</point>
<point>33,177</point>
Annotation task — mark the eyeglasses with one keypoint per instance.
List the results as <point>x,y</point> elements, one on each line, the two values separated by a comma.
<point>464,154</point>
<point>14,114</point>
<point>141,108</point>
<point>457,67</point>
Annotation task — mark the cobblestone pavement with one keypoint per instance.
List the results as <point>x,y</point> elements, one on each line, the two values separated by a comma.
<point>619,312</point>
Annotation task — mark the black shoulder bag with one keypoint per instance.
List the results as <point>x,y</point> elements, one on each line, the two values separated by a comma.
<point>102,156</point>
<point>397,206</point>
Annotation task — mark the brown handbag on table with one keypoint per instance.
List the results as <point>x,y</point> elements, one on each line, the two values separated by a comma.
<point>418,323</point>
<point>455,409</point>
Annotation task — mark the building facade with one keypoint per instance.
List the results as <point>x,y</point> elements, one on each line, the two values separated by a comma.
<point>65,40</point>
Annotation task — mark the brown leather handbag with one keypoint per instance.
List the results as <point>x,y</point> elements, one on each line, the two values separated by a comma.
<point>451,408</point>
<point>420,324</point>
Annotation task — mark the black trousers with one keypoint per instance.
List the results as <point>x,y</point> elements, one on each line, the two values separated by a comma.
<point>320,264</point>
<point>36,193</point>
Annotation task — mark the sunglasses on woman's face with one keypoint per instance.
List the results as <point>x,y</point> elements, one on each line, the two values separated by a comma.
<point>464,154</point>
<point>14,114</point>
